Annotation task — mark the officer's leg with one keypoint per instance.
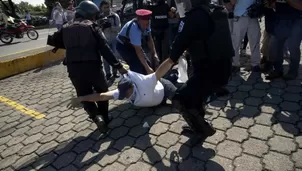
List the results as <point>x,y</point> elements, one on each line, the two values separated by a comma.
<point>254,36</point>
<point>107,69</point>
<point>189,101</point>
<point>238,32</point>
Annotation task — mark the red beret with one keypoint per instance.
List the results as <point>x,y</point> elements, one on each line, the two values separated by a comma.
<point>143,14</point>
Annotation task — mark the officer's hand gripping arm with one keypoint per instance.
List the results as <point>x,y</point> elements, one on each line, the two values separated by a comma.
<point>141,56</point>
<point>107,52</point>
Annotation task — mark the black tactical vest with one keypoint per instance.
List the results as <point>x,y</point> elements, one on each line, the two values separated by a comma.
<point>159,18</point>
<point>80,42</point>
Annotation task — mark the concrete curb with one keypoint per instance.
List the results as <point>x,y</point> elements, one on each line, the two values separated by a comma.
<point>25,63</point>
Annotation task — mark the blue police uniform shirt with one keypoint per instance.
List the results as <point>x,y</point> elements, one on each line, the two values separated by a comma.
<point>135,33</point>
<point>242,6</point>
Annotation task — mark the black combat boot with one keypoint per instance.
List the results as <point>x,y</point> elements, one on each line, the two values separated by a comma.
<point>100,123</point>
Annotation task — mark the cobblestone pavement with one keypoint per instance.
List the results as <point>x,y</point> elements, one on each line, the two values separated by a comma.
<point>259,127</point>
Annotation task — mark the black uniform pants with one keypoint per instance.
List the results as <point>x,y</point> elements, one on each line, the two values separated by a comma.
<point>158,38</point>
<point>88,78</point>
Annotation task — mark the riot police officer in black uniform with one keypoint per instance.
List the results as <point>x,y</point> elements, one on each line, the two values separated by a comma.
<point>85,43</point>
<point>194,33</point>
<point>159,24</point>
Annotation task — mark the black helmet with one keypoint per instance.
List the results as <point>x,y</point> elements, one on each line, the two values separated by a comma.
<point>87,9</point>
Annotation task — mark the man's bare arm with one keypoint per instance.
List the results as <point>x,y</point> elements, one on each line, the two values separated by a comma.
<point>141,56</point>
<point>97,97</point>
<point>164,68</point>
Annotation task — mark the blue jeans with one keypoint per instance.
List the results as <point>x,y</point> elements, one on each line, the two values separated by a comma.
<point>106,65</point>
<point>289,31</point>
<point>128,53</point>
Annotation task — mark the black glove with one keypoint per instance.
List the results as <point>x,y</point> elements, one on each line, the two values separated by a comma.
<point>106,25</point>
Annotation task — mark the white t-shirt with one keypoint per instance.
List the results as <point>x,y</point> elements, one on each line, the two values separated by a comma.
<point>58,16</point>
<point>148,91</point>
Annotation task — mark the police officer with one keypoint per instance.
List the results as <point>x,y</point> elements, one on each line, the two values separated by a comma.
<point>85,43</point>
<point>193,32</point>
<point>159,25</point>
<point>131,41</point>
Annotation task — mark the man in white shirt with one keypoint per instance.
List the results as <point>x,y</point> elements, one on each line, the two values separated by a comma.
<point>141,90</point>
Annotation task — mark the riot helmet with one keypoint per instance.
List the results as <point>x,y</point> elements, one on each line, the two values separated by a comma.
<point>87,10</point>
<point>184,6</point>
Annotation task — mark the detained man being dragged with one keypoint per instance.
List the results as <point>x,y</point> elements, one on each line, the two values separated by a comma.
<point>140,90</point>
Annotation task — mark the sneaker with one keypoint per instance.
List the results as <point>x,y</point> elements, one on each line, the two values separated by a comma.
<point>274,75</point>
<point>102,126</point>
<point>290,76</point>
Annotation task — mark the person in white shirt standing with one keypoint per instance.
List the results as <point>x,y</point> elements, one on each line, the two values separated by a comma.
<point>58,15</point>
<point>111,25</point>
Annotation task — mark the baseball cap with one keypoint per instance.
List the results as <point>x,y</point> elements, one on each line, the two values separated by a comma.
<point>123,86</point>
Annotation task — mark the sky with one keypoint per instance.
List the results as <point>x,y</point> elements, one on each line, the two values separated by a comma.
<point>33,2</point>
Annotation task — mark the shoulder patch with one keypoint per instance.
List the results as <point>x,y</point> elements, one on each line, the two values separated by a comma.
<point>181,25</point>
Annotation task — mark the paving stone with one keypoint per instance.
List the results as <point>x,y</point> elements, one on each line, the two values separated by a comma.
<point>94,167</point>
<point>257,93</point>
<point>277,161</point>
<point>297,156</point>
<point>275,91</point>
<point>221,123</point>
<point>25,161</point>
<point>162,110</point>
<point>159,128</point>
<point>66,113</point>
<point>38,122</point>
<point>117,122</point>
<point>290,106</point>
<point>35,130</point>
<point>204,152</point>
<point>65,128</point>
<point>130,156</point>
<point>191,164</point>
<point>110,157</point>
<point>138,131</point>
<point>5,139</point>
<point>84,146</point>
<point>139,166</point>
<point>103,144</point>
<point>299,140</point>
<point>176,127</point>
<point>16,140</point>
<point>20,131</point>
<point>50,129</point>
<point>127,113</point>
<point>154,154</point>
<point>85,158</point>
<point>178,152</point>
<point>69,168</point>
<point>284,129</point>
<point>272,99</point>
<point>211,114</point>
<point>45,148</point>
<point>229,149</point>
<point>237,134</point>
<point>216,105</point>
<point>292,97</point>
<point>278,84</point>
<point>167,140</point>
<point>170,118</point>
<point>265,119</point>
<point>293,89</point>
<point>119,132</point>
<point>164,165</point>
<point>253,101</point>
<point>255,147</point>
<point>243,122</point>
<point>8,161</point>
<point>52,121</point>
<point>124,143</point>
<point>12,150</point>
<point>30,148</point>
<point>44,161</point>
<point>145,141</point>
<point>52,114</point>
<point>80,118</point>
<point>282,144</point>
<point>48,137</point>
<point>240,95</point>
<point>65,136</point>
<point>66,120</point>
<point>133,121</point>
<point>261,132</point>
<point>269,109</point>
<point>218,137</point>
<point>219,163</point>
<point>64,160</point>
<point>246,162</point>
<point>65,147</point>
<point>228,113</point>
<point>114,167</point>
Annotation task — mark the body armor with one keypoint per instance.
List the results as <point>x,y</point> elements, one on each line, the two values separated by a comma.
<point>159,20</point>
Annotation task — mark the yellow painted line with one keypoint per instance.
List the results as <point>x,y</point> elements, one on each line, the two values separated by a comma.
<point>22,108</point>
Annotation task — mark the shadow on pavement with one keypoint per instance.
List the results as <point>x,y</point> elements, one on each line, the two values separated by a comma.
<point>126,133</point>
<point>47,66</point>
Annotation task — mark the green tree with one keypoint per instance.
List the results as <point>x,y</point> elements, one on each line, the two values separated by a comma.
<point>9,8</point>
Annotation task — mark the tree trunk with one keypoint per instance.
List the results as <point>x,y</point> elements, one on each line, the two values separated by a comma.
<point>11,10</point>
